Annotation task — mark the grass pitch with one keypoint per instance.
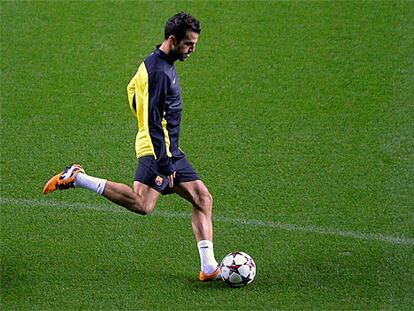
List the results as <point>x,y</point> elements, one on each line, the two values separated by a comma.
<point>297,115</point>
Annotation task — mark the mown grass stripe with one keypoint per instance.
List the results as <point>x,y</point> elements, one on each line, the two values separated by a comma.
<point>236,221</point>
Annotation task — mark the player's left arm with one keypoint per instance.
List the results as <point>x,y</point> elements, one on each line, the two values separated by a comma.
<point>159,84</point>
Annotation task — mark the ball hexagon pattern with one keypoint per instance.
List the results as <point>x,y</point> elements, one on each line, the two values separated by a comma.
<point>238,269</point>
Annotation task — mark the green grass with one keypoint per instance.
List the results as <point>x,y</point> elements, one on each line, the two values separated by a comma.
<point>294,113</point>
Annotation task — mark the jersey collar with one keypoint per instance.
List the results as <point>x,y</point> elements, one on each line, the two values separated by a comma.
<point>163,55</point>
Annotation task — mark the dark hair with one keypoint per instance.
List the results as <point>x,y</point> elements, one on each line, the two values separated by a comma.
<point>179,24</point>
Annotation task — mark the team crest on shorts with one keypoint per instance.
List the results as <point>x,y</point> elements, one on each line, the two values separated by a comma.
<point>159,180</point>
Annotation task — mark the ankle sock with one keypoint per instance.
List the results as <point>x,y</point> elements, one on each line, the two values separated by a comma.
<point>208,261</point>
<point>89,182</point>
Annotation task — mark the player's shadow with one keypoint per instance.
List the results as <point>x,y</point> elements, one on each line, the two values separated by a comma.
<point>195,283</point>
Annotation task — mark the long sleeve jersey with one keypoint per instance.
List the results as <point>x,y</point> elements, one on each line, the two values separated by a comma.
<point>154,96</point>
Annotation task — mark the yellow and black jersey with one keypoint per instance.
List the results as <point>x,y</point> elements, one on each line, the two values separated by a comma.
<point>154,96</point>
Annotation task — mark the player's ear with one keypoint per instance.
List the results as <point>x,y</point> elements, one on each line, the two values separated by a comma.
<point>173,40</point>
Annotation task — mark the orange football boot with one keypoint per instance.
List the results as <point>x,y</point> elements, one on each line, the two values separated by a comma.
<point>204,277</point>
<point>63,180</point>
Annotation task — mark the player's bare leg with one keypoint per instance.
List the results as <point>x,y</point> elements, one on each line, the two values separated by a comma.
<point>198,195</point>
<point>141,199</point>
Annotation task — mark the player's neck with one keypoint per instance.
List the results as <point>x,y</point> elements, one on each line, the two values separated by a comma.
<point>165,47</point>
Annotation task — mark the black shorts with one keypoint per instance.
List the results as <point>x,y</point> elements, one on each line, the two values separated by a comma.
<point>147,173</point>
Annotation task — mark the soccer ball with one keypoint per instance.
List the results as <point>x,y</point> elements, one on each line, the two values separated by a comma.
<point>238,269</point>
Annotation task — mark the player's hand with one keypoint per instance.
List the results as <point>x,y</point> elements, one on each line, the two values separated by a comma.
<point>171,180</point>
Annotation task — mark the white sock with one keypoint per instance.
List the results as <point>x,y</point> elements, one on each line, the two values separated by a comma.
<point>206,251</point>
<point>91,183</point>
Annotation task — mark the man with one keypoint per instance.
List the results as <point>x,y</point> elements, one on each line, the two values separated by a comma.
<point>154,96</point>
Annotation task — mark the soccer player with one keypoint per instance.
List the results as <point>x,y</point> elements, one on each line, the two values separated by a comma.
<point>154,96</point>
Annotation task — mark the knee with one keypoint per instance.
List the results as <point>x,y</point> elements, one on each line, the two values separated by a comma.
<point>142,208</point>
<point>204,201</point>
